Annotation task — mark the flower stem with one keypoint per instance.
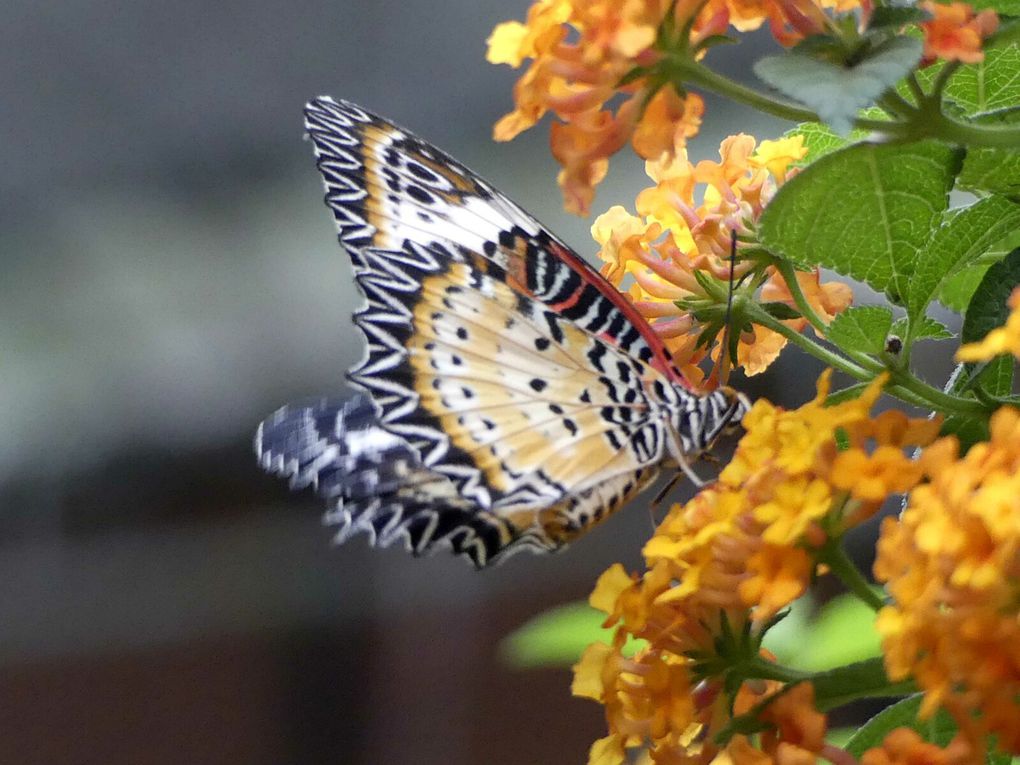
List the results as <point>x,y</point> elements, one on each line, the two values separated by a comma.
<point>687,72</point>
<point>902,384</point>
<point>761,669</point>
<point>833,555</point>
<point>861,680</point>
<point>789,274</point>
<point>834,360</point>
<point>942,79</point>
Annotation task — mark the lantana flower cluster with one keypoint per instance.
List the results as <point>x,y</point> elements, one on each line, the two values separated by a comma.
<point>584,53</point>
<point>720,568</point>
<point>604,68</point>
<point>951,564</point>
<point>682,231</point>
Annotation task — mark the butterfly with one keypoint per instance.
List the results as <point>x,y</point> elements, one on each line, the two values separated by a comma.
<point>511,397</point>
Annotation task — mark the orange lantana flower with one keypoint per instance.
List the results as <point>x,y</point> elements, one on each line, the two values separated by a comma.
<point>904,746</point>
<point>956,33</point>
<point>584,54</point>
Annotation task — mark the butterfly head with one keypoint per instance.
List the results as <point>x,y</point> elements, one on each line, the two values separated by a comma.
<point>728,407</point>
<point>710,418</point>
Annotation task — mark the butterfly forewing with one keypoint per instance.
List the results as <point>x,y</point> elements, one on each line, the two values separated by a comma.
<point>387,187</point>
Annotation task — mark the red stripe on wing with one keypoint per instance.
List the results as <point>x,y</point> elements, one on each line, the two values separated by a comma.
<point>662,360</point>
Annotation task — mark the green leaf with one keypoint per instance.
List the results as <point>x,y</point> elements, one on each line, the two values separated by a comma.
<point>926,328</point>
<point>714,40</point>
<point>988,86</point>
<point>849,393</point>
<point>557,637</point>
<point>958,289</point>
<point>988,310</point>
<point>997,377</point>
<point>991,170</point>
<point>895,16</point>
<point>781,311</point>
<point>865,211</point>
<point>939,730</point>
<point>964,236</point>
<point>837,92</point>
<point>861,328</point>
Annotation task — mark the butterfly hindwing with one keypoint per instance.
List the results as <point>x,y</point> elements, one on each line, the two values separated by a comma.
<point>375,484</point>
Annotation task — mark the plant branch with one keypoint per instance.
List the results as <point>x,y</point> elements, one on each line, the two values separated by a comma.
<point>696,74</point>
<point>789,274</point>
<point>684,71</point>
<point>902,384</point>
<point>844,569</point>
<point>834,360</point>
<point>861,680</point>
<point>972,134</point>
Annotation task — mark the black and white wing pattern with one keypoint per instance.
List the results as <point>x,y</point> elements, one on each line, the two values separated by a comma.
<point>514,397</point>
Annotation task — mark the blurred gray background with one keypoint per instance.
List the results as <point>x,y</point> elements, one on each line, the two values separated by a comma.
<point>169,276</point>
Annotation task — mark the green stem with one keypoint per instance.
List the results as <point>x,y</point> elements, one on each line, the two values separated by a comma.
<point>915,88</point>
<point>833,688</point>
<point>759,668</point>
<point>919,123</point>
<point>696,74</point>
<point>833,555</point>
<point>942,78</point>
<point>902,384</point>
<point>685,71</point>
<point>970,134</point>
<point>861,680</point>
<point>789,274</point>
<point>834,360</point>
<point>933,397</point>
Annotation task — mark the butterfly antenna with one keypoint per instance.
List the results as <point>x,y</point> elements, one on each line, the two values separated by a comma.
<point>724,352</point>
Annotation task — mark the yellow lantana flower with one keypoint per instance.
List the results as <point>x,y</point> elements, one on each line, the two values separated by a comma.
<point>1004,339</point>
<point>724,564</point>
<point>951,563</point>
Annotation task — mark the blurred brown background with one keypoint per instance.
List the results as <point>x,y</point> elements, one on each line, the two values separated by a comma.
<point>169,276</point>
